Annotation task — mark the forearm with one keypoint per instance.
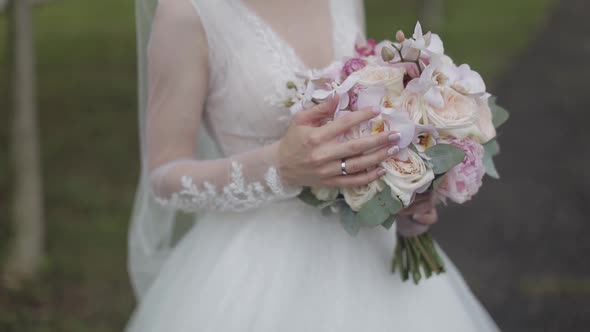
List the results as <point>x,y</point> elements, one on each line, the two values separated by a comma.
<point>237,183</point>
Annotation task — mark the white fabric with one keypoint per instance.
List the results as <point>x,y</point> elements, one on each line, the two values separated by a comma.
<point>258,259</point>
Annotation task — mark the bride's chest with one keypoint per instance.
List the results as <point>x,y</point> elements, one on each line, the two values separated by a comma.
<point>250,65</point>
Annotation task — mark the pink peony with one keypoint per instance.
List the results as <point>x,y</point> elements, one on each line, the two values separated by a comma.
<point>365,48</point>
<point>352,65</point>
<point>464,180</point>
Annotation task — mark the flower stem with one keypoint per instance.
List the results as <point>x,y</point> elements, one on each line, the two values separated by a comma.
<point>426,254</point>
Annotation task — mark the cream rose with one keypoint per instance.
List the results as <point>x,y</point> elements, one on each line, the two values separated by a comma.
<point>324,193</point>
<point>356,197</point>
<point>406,178</point>
<point>485,126</point>
<point>391,78</point>
<point>414,105</point>
<point>458,116</point>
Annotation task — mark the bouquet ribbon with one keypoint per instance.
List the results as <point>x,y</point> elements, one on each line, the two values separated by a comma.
<point>408,227</point>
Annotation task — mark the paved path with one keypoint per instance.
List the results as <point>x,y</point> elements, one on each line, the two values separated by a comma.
<point>524,243</point>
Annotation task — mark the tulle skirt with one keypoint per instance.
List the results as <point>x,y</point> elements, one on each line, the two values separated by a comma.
<point>286,267</point>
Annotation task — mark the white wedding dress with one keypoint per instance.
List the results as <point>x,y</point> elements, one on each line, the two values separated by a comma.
<point>258,259</point>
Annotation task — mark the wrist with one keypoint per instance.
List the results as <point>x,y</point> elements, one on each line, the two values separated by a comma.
<point>280,164</point>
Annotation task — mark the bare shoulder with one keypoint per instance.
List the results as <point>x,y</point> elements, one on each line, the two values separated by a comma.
<point>180,14</point>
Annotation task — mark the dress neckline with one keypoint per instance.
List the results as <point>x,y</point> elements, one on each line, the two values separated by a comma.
<point>285,43</point>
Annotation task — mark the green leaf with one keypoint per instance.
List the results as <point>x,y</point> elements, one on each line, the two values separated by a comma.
<point>492,148</point>
<point>308,197</point>
<point>499,114</point>
<point>444,157</point>
<point>488,163</point>
<point>349,220</point>
<point>377,210</point>
<point>437,182</point>
<point>388,223</point>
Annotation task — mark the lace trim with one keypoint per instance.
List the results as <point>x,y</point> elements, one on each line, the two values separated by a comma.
<point>236,196</point>
<point>284,59</point>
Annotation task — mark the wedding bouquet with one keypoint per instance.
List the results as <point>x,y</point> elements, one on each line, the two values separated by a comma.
<point>447,123</point>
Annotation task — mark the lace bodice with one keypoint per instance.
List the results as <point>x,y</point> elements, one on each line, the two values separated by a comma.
<point>217,64</point>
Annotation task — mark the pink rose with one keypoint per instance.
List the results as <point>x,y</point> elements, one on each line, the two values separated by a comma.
<point>464,180</point>
<point>365,48</point>
<point>352,65</point>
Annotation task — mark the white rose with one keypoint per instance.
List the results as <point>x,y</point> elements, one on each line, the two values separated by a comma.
<point>356,197</point>
<point>325,193</point>
<point>406,178</point>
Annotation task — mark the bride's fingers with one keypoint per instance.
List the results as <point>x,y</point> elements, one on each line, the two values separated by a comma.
<point>354,180</point>
<point>360,163</point>
<point>317,113</point>
<point>343,123</point>
<point>357,146</point>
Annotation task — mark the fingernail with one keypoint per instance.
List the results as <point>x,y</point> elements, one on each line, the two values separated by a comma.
<point>395,137</point>
<point>393,150</point>
<point>381,172</point>
<point>376,109</point>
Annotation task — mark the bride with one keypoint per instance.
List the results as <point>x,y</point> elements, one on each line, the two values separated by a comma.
<point>218,141</point>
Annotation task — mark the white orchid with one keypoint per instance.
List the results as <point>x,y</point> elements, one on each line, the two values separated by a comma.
<point>309,82</point>
<point>466,81</point>
<point>439,74</point>
<point>429,85</point>
<point>422,45</point>
<point>302,98</point>
<point>340,90</point>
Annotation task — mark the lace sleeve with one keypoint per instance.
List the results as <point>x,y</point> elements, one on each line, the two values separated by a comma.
<point>177,70</point>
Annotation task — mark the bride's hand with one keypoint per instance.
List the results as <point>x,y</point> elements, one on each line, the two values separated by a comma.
<point>423,209</point>
<point>310,155</point>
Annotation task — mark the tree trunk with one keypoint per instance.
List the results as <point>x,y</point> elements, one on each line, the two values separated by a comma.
<point>431,14</point>
<point>26,249</point>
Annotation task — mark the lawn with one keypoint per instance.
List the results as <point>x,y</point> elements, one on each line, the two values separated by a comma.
<point>87,102</point>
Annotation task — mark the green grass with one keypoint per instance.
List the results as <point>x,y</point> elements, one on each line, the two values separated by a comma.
<point>87,105</point>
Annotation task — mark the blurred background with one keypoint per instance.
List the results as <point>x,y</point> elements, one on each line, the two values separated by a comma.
<point>522,243</point>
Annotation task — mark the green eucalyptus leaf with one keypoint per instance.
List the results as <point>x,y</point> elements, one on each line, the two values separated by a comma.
<point>499,114</point>
<point>437,182</point>
<point>327,211</point>
<point>488,163</point>
<point>349,220</point>
<point>308,197</point>
<point>491,148</point>
<point>379,208</point>
<point>388,223</point>
<point>444,157</point>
